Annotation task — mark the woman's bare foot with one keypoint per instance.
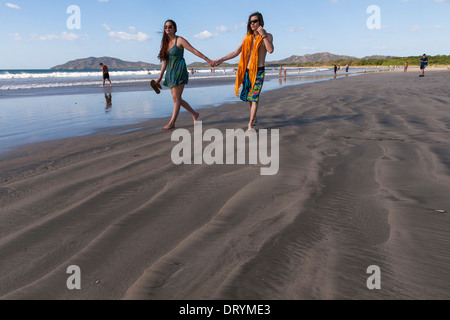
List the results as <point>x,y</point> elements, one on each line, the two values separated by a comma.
<point>250,126</point>
<point>195,117</point>
<point>169,127</point>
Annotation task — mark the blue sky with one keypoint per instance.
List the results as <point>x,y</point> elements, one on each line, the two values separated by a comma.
<point>34,34</point>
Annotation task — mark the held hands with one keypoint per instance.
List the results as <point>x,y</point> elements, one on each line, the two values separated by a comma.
<point>211,62</point>
<point>218,62</point>
<point>215,63</point>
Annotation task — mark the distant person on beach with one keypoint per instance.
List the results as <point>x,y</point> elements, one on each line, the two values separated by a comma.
<point>347,67</point>
<point>335,70</point>
<point>105,71</point>
<point>251,71</point>
<point>174,65</point>
<point>423,65</point>
<point>406,66</point>
<point>280,71</point>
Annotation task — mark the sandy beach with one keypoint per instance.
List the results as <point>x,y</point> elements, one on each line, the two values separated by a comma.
<point>364,179</point>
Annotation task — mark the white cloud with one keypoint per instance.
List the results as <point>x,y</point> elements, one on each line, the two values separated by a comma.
<point>295,29</point>
<point>120,36</point>
<point>415,28</point>
<point>16,36</point>
<point>222,29</point>
<point>69,36</point>
<point>12,6</point>
<point>63,36</point>
<point>204,35</point>
<point>48,37</point>
<point>308,48</point>
<point>132,35</point>
<point>242,25</point>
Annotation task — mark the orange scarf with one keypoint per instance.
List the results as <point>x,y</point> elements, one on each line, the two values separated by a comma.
<point>245,54</point>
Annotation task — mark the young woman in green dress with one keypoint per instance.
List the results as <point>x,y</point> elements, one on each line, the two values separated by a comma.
<point>174,65</point>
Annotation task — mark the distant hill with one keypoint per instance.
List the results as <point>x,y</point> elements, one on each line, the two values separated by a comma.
<point>311,58</point>
<point>316,59</point>
<point>308,58</point>
<point>93,63</point>
<point>375,57</point>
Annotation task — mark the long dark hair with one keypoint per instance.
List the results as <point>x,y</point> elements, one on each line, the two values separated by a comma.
<point>163,55</point>
<point>261,21</point>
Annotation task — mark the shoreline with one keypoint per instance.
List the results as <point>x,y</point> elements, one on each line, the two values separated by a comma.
<point>364,165</point>
<point>159,121</point>
<point>45,117</point>
<point>84,112</point>
<point>139,83</point>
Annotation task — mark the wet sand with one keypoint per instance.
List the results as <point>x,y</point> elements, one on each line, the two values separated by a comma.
<point>364,171</point>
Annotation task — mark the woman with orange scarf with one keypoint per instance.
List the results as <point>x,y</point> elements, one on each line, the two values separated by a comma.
<point>250,75</point>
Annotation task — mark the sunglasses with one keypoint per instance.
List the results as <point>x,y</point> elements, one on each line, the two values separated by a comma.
<point>168,27</point>
<point>254,21</point>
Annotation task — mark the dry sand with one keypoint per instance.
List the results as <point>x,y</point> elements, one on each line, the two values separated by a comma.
<point>364,165</point>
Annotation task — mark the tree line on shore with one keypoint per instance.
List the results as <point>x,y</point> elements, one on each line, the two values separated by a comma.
<point>440,60</point>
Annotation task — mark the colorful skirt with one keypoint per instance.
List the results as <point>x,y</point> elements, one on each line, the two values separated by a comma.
<point>252,94</point>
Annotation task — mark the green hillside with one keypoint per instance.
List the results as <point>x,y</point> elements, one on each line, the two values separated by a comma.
<point>440,60</point>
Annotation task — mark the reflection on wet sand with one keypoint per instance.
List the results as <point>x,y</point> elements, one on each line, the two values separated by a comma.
<point>108,98</point>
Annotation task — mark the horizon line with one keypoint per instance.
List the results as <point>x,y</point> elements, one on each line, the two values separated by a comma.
<point>199,62</point>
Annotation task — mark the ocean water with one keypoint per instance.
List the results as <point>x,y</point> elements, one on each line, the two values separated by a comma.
<point>40,105</point>
<point>45,82</point>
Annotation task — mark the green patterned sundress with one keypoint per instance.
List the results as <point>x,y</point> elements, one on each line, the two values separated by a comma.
<point>176,71</point>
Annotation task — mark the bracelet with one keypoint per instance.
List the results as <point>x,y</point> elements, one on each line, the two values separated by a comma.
<point>265,36</point>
